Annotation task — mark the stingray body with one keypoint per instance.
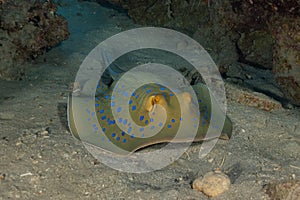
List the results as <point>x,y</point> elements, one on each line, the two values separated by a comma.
<point>152,114</point>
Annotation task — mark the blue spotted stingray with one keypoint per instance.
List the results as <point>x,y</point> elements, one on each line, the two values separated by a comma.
<point>155,115</point>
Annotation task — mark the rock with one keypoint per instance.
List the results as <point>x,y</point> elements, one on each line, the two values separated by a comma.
<point>234,30</point>
<point>212,184</point>
<point>27,29</point>
<point>287,58</point>
<point>282,190</point>
<point>256,48</point>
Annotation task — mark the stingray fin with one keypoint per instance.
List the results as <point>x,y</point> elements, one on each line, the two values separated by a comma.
<point>71,123</point>
<point>206,101</point>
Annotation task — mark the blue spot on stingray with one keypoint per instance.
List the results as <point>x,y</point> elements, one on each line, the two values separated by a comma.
<point>132,136</point>
<point>171,94</point>
<point>130,102</point>
<point>119,90</point>
<point>162,88</point>
<point>148,91</point>
<point>88,111</point>
<point>195,119</point>
<point>143,135</point>
<point>93,114</point>
<point>151,120</point>
<point>123,86</point>
<point>173,120</point>
<point>123,133</point>
<point>96,128</point>
<point>124,140</point>
<point>106,97</point>
<point>181,118</point>
<point>142,118</point>
<point>137,96</point>
<point>103,129</point>
<point>125,121</point>
<point>112,97</point>
<point>133,108</point>
<point>112,104</point>
<point>111,122</point>
<point>118,138</point>
<point>120,120</point>
<point>113,135</point>
<point>145,86</point>
<point>97,104</point>
<point>129,124</point>
<point>152,127</point>
<point>169,126</point>
<point>101,111</point>
<point>160,124</point>
<point>203,122</point>
<point>119,109</point>
<point>133,94</point>
<point>146,122</point>
<point>94,125</point>
<point>125,93</point>
<point>103,117</point>
<point>142,129</point>
<point>199,100</point>
<point>217,126</point>
<point>129,129</point>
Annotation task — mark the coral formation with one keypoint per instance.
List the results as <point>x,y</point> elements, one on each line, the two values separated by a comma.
<point>28,28</point>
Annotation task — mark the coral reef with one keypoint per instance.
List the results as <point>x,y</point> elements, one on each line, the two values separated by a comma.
<point>27,29</point>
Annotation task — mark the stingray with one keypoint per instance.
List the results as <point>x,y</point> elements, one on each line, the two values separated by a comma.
<point>154,115</point>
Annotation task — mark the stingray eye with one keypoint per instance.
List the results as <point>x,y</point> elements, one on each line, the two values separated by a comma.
<point>156,99</point>
<point>150,103</point>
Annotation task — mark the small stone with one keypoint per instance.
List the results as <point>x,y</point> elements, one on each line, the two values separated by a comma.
<point>212,184</point>
<point>2,176</point>
<point>19,142</point>
<point>45,134</point>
